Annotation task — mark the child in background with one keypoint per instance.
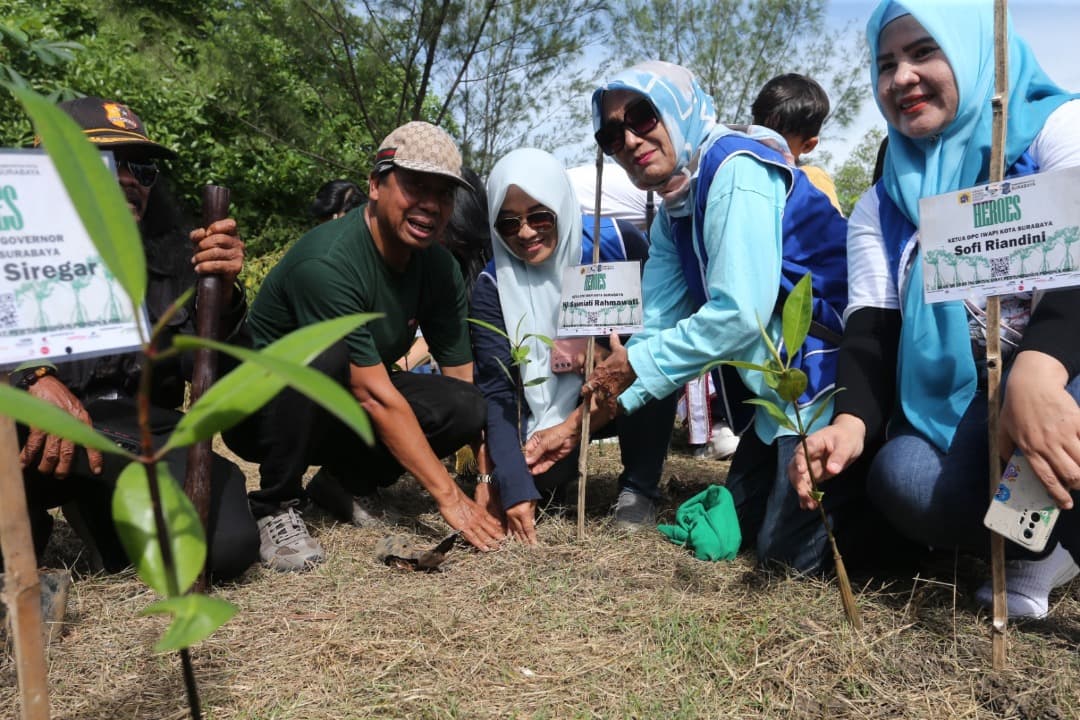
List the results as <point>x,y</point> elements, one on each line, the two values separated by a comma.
<point>795,106</point>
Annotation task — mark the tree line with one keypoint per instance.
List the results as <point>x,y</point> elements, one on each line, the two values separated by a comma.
<point>273,97</point>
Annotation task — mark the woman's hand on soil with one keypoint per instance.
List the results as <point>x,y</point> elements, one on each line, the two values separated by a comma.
<point>521,519</point>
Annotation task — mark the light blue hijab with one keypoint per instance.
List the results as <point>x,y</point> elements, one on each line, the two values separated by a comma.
<point>530,294</point>
<point>960,156</point>
<point>936,375</point>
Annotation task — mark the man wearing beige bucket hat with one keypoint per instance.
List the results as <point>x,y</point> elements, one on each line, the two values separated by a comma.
<point>385,257</point>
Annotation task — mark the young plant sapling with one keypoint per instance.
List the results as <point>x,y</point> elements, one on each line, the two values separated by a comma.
<point>519,358</point>
<point>790,383</point>
<point>157,524</point>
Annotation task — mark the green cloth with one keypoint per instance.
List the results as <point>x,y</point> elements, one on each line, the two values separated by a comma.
<point>336,269</point>
<point>707,524</point>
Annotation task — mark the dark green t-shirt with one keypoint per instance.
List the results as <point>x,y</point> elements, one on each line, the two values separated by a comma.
<point>336,270</point>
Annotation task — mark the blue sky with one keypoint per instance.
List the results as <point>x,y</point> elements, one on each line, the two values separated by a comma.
<point>1050,27</point>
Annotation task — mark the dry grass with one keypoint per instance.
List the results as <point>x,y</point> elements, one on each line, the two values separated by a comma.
<point>619,626</point>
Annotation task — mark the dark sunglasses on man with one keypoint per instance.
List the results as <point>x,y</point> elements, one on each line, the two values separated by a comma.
<point>145,173</point>
<point>539,220</point>
<point>639,118</point>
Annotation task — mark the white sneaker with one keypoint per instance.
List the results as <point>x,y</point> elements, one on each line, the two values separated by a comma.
<point>721,446</point>
<point>1028,584</point>
<point>284,542</point>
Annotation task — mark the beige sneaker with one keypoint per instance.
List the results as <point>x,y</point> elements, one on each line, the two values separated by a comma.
<point>284,542</point>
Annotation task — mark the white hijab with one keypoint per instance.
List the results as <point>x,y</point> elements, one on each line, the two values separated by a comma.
<point>530,294</point>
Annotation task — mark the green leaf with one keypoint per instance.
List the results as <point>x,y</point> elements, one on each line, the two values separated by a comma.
<point>822,404</point>
<point>488,326</point>
<point>194,618</point>
<point>739,364</point>
<point>93,191</point>
<point>769,343</point>
<point>264,374</point>
<point>792,385</point>
<point>798,310</point>
<point>536,381</point>
<point>133,515</point>
<point>506,370</point>
<point>817,495</point>
<point>542,338</point>
<point>43,415</point>
<point>776,413</point>
<point>773,370</point>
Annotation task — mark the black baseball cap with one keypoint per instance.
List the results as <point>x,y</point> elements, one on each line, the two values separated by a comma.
<point>111,124</point>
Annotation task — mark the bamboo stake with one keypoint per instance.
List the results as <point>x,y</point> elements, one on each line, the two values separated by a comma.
<point>22,587</point>
<point>583,453</point>
<point>1000,104</point>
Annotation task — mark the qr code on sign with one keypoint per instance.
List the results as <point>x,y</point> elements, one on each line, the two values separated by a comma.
<point>999,268</point>
<point>9,316</point>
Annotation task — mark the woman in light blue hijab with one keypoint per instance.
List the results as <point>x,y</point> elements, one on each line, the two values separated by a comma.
<point>933,75</point>
<point>538,232</point>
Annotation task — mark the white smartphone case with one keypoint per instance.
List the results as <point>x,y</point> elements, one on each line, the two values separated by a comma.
<point>1022,510</point>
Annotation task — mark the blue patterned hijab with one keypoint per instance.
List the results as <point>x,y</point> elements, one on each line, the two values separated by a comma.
<point>936,373</point>
<point>687,111</point>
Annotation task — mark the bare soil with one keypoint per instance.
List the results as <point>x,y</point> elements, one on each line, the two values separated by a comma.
<point>616,626</point>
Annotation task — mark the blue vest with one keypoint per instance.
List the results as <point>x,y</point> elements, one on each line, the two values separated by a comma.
<point>814,240</point>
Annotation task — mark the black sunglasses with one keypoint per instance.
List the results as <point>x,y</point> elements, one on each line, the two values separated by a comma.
<point>639,118</point>
<point>144,173</point>
<point>538,220</point>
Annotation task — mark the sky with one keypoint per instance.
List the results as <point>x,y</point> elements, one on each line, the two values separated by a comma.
<point>1048,26</point>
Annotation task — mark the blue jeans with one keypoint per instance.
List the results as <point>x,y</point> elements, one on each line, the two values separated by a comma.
<point>769,512</point>
<point>939,499</point>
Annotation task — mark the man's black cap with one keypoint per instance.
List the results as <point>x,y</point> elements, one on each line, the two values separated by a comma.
<point>113,125</point>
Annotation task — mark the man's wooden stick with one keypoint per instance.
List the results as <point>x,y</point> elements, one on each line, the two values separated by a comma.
<point>583,453</point>
<point>208,301</point>
<point>22,587</point>
<point>993,335</point>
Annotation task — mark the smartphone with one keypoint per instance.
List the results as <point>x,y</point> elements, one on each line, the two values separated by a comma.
<point>1022,510</point>
<point>564,356</point>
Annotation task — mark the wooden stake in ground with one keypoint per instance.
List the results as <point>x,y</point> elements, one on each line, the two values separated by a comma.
<point>22,588</point>
<point>207,323</point>
<point>583,454</point>
<point>993,337</point>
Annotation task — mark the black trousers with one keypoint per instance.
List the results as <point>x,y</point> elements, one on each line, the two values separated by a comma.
<point>292,432</point>
<point>232,537</point>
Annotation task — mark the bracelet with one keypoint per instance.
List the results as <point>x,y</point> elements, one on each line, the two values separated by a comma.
<point>485,479</point>
<point>25,378</point>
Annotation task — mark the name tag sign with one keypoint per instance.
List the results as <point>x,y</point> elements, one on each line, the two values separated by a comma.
<point>1014,236</point>
<point>57,299</point>
<point>601,299</point>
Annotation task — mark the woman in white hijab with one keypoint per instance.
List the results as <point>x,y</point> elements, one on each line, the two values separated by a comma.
<point>537,232</point>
